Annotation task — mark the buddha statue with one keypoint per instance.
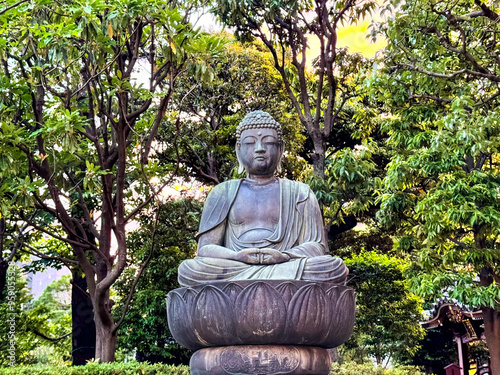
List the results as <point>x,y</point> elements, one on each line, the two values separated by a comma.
<point>261,226</point>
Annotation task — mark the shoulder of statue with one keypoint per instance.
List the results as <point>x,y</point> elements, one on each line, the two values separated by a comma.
<point>224,188</point>
<point>302,190</point>
<point>217,205</point>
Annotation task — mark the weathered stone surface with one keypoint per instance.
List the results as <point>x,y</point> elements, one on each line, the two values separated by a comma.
<point>261,312</point>
<point>261,360</point>
<point>261,227</point>
<point>263,296</point>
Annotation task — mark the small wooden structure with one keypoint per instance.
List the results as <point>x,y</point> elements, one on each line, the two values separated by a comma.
<point>452,369</point>
<point>467,326</point>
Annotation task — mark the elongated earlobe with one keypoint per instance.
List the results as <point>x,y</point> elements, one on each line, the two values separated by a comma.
<point>282,150</point>
<point>241,169</point>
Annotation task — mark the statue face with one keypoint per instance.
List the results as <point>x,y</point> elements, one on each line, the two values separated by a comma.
<point>259,151</point>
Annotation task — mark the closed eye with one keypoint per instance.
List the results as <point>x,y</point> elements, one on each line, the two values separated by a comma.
<point>249,140</point>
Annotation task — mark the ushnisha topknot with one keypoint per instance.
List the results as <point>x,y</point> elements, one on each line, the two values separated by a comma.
<point>257,120</point>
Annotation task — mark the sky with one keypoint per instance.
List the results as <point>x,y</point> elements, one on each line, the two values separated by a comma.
<point>352,36</point>
<point>355,37</point>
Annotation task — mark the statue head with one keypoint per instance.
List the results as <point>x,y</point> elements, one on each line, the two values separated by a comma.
<point>259,144</point>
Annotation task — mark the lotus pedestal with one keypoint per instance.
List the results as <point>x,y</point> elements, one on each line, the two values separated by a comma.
<point>261,327</point>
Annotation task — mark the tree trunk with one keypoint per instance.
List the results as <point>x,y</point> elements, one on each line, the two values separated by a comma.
<point>492,333</point>
<point>319,164</point>
<point>4,265</point>
<point>105,344</point>
<point>318,155</point>
<point>82,315</point>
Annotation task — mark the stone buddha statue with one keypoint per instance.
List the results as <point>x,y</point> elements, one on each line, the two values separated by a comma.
<point>261,226</point>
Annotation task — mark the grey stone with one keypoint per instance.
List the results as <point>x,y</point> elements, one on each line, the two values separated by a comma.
<point>261,312</point>
<point>261,360</point>
<point>263,296</point>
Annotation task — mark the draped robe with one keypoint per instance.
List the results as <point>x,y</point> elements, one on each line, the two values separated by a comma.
<point>298,233</point>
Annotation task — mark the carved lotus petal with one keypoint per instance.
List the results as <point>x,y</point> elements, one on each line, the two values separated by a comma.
<point>343,316</point>
<point>179,321</point>
<point>333,293</point>
<point>261,314</point>
<point>189,296</point>
<point>287,290</point>
<point>213,316</point>
<point>232,290</point>
<point>307,318</point>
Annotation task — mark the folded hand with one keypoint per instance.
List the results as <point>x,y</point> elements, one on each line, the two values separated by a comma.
<point>261,256</point>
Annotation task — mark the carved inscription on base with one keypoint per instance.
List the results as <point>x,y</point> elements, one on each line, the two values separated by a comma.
<point>238,361</point>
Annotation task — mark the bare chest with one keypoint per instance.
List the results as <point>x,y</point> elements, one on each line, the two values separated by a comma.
<point>256,206</point>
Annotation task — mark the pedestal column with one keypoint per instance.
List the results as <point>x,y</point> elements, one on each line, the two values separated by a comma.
<point>261,327</point>
<point>261,360</point>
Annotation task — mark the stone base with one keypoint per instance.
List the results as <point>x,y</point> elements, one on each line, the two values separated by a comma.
<point>261,360</point>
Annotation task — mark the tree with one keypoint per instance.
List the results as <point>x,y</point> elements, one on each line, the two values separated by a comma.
<point>387,318</point>
<point>12,236</point>
<point>243,80</point>
<point>437,350</point>
<point>48,322</point>
<point>441,95</point>
<point>320,89</point>
<point>78,125</point>
<point>31,326</point>
<point>168,242</point>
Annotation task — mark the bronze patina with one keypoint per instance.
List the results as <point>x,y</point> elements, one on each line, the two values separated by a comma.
<point>262,296</point>
<point>261,227</point>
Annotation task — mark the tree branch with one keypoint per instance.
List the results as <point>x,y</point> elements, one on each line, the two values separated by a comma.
<point>459,243</point>
<point>139,273</point>
<point>51,339</point>
<point>453,75</point>
<point>430,97</point>
<point>88,246</point>
<point>83,206</point>
<point>41,255</point>
<point>12,6</point>
<point>487,12</point>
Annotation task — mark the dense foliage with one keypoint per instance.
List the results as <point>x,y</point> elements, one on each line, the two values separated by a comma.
<point>78,124</point>
<point>145,329</point>
<point>351,368</point>
<point>387,318</point>
<point>440,92</point>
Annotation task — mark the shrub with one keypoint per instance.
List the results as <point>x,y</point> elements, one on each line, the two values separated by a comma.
<point>144,368</point>
<point>351,368</point>
<point>131,368</point>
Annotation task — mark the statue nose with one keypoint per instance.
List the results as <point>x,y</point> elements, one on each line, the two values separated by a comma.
<point>259,147</point>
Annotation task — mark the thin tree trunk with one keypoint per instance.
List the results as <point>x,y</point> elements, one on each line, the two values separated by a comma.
<point>319,164</point>
<point>82,314</point>
<point>4,265</point>
<point>492,333</point>
<point>318,156</point>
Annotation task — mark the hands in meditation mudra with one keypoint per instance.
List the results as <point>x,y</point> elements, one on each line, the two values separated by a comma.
<point>261,227</point>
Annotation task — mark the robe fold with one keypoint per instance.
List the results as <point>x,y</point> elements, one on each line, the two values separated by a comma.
<point>298,233</point>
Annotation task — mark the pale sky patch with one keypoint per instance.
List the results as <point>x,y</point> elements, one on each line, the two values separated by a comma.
<point>355,37</point>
